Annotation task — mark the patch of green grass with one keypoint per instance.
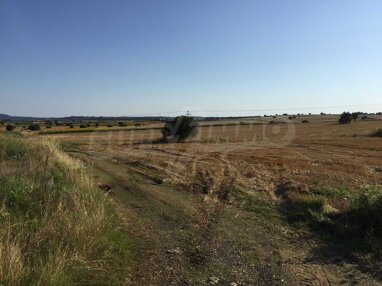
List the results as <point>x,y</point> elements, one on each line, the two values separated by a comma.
<point>56,227</point>
<point>11,147</point>
<point>251,202</point>
<point>14,191</point>
<point>339,214</point>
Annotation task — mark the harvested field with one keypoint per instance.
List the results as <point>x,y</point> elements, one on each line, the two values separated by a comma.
<point>221,208</point>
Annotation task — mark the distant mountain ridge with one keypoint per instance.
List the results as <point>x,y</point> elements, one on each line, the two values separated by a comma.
<point>6,117</point>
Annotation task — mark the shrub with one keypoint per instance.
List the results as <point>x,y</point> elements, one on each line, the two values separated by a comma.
<point>305,121</point>
<point>48,126</point>
<point>34,127</point>
<point>120,124</point>
<point>179,129</point>
<point>365,213</point>
<point>97,124</point>
<point>377,133</point>
<point>109,125</point>
<point>83,125</point>
<point>10,127</point>
<point>345,118</point>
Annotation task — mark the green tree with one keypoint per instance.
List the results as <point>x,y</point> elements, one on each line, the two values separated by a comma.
<point>10,127</point>
<point>34,127</point>
<point>345,118</point>
<point>179,129</point>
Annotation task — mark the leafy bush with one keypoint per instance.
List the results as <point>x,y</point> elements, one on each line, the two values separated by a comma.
<point>34,127</point>
<point>179,129</point>
<point>365,212</point>
<point>10,127</point>
<point>120,124</point>
<point>377,133</point>
<point>305,121</point>
<point>83,125</point>
<point>345,118</point>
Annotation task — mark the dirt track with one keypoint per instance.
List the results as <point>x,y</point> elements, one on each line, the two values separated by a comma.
<point>207,212</point>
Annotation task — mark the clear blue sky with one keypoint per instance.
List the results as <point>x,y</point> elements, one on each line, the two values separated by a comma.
<point>117,57</point>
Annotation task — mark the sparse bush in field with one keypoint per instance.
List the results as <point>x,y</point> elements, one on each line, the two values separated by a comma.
<point>137,124</point>
<point>1,123</point>
<point>364,214</point>
<point>354,115</point>
<point>305,121</point>
<point>352,217</point>
<point>48,126</point>
<point>56,123</point>
<point>34,127</point>
<point>83,125</point>
<point>121,124</point>
<point>97,124</point>
<point>109,125</point>
<point>71,125</point>
<point>10,127</point>
<point>377,133</point>
<point>179,129</point>
<point>345,118</point>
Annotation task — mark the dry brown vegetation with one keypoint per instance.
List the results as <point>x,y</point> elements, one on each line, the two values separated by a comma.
<point>288,186</point>
<point>56,228</point>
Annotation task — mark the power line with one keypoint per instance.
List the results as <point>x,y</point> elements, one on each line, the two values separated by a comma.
<point>250,110</point>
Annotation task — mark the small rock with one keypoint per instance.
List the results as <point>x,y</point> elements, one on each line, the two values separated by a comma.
<point>213,280</point>
<point>174,251</point>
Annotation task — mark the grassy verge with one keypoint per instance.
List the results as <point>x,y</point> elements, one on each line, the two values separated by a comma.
<point>56,227</point>
<point>352,218</point>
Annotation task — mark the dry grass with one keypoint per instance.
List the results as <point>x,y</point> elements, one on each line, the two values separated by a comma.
<point>56,227</point>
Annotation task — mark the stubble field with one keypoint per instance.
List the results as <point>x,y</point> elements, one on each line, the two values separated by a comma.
<point>242,203</point>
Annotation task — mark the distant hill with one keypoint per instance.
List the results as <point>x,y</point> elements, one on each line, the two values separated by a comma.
<point>5,118</point>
